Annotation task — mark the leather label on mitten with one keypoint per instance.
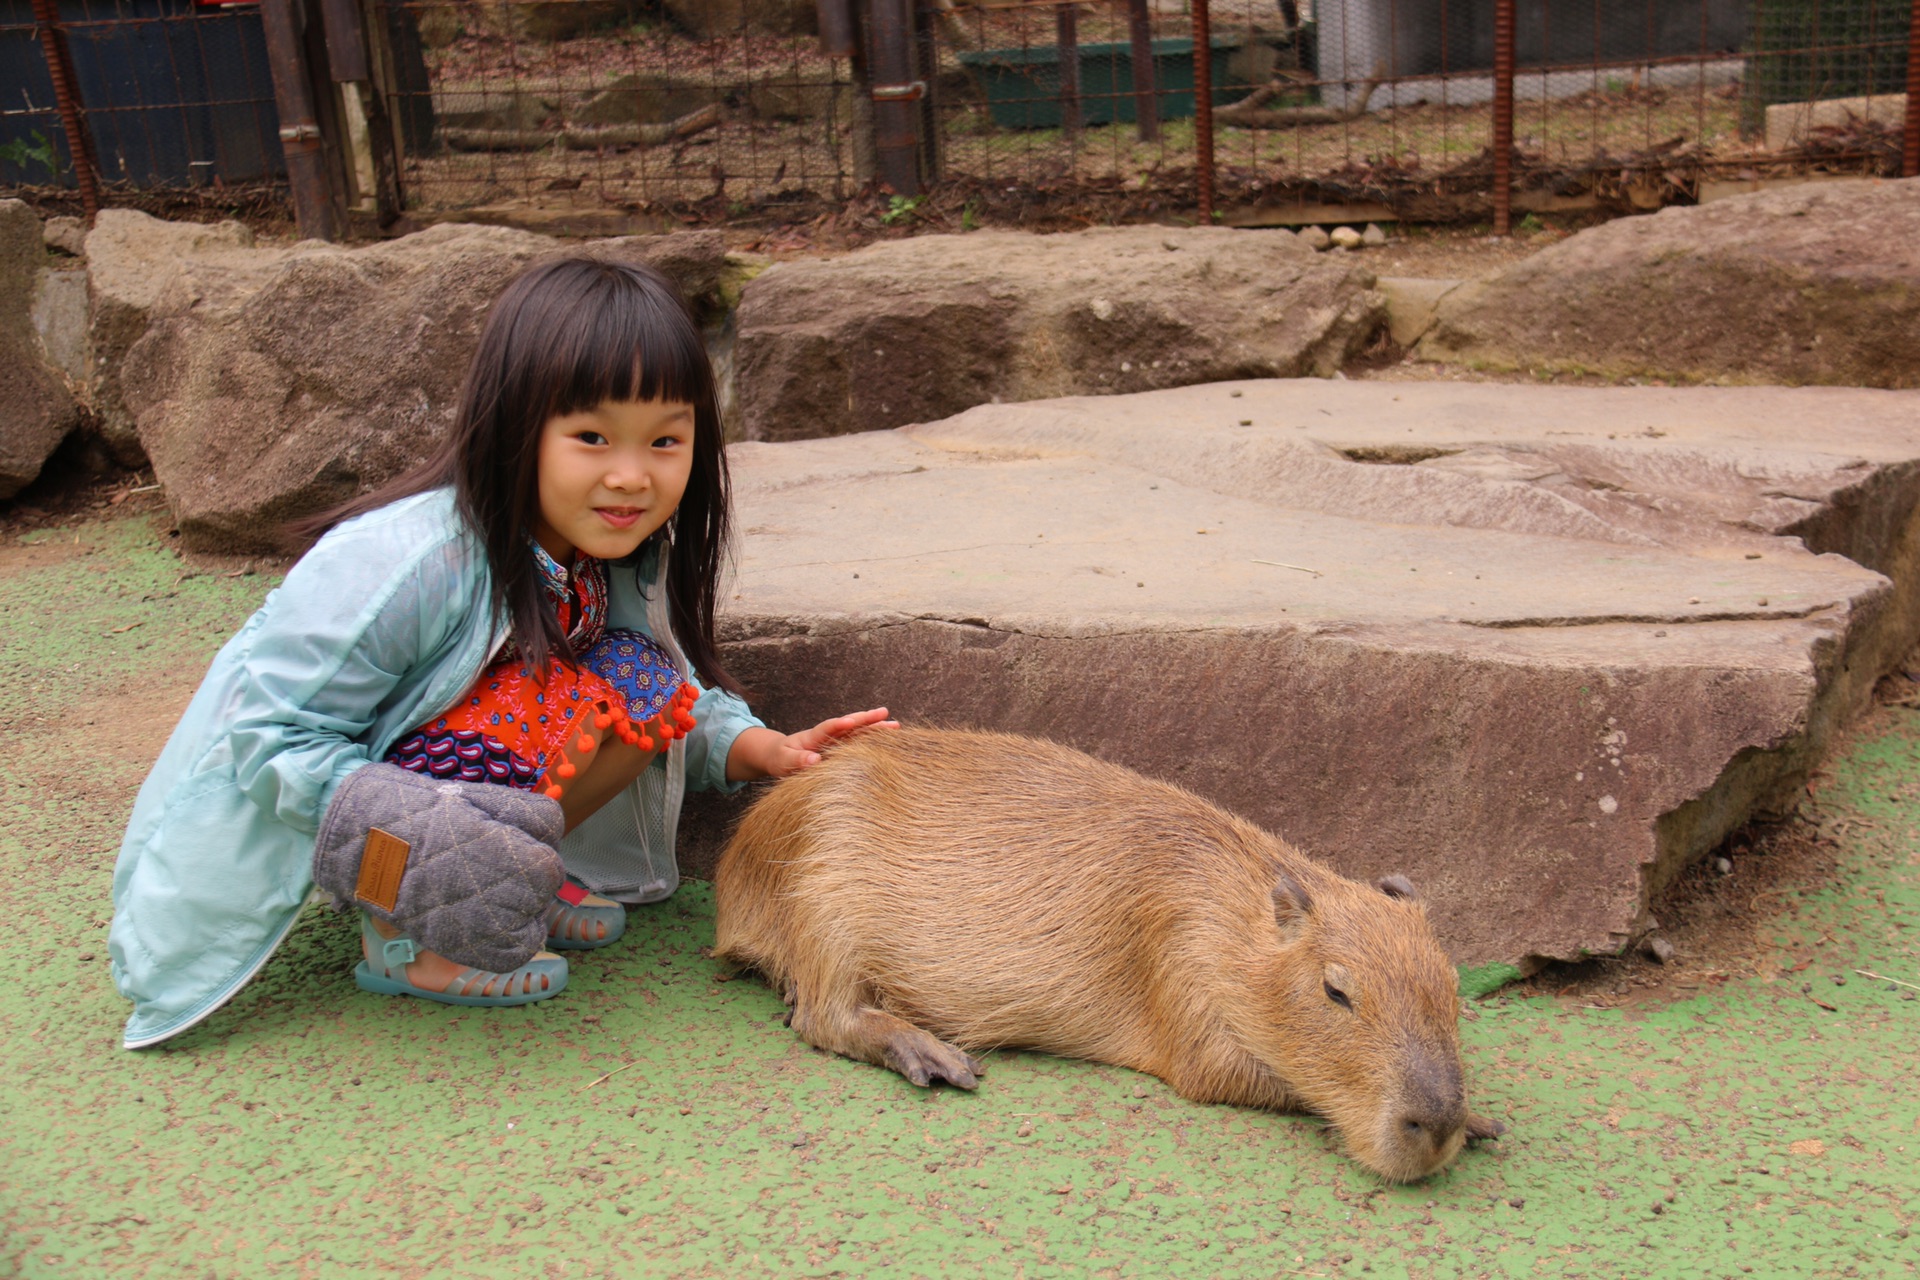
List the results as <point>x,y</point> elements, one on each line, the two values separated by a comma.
<point>382,863</point>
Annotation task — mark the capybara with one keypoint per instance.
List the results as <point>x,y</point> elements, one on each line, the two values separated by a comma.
<point>921,895</point>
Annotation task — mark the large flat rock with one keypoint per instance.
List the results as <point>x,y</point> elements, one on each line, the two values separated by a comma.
<point>913,330</point>
<point>1534,646</point>
<point>1813,284</point>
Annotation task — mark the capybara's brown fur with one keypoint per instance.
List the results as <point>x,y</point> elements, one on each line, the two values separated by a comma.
<point>922,895</point>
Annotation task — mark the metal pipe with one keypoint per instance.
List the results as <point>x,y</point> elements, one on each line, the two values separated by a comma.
<point>1203,106</point>
<point>1146,103</point>
<point>1503,23</point>
<point>1066,42</point>
<point>836,27</point>
<point>1910,141</point>
<point>66,99</point>
<point>299,127</point>
<point>896,140</point>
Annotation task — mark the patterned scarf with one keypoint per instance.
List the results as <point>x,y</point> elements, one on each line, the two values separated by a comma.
<point>589,583</point>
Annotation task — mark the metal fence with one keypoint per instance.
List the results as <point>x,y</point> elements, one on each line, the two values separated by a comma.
<point>1295,110</point>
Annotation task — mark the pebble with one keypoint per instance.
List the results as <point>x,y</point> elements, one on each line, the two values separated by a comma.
<point>1373,237</point>
<point>1723,865</point>
<point>1315,238</point>
<point>1346,238</point>
<point>69,235</point>
<point>1659,948</point>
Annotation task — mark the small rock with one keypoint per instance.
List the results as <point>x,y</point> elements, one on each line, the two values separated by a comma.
<point>1346,238</point>
<point>1315,238</point>
<point>68,235</point>
<point>86,955</point>
<point>1518,1202</point>
<point>1373,237</point>
<point>1723,865</point>
<point>1025,1130</point>
<point>1658,948</point>
<point>1839,979</point>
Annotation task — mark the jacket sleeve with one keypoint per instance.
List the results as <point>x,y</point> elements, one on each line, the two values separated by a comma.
<point>349,623</point>
<point>719,717</point>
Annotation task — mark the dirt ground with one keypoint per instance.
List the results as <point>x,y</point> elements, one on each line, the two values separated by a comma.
<point>1752,1108</point>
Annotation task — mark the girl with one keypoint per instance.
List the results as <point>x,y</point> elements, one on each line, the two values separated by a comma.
<point>513,641</point>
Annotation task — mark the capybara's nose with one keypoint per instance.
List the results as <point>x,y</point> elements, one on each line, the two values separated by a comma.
<point>1434,1130</point>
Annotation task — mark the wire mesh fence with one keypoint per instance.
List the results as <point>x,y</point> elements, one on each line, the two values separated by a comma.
<point>176,95</point>
<point>732,108</point>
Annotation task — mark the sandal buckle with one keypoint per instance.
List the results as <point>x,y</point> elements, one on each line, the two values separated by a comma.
<point>397,953</point>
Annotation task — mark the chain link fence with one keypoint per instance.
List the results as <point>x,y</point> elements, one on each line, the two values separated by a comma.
<point>1251,110</point>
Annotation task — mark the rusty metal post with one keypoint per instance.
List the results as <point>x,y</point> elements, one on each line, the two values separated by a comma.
<point>896,139</point>
<point>1146,102</point>
<point>836,27</point>
<point>66,99</point>
<point>1203,105</point>
<point>1066,49</point>
<point>313,209</point>
<point>1910,142</point>
<point>1503,23</point>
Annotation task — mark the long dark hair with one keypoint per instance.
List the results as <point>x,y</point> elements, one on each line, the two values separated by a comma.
<point>565,335</point>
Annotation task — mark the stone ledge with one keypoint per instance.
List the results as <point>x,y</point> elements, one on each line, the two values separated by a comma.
<point>1537,647</point>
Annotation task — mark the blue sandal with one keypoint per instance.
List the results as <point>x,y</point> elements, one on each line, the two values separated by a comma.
<point>543,976</point>
<point>575,925</point>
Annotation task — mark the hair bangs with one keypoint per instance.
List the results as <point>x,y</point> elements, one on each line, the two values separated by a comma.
<point>611,338</point>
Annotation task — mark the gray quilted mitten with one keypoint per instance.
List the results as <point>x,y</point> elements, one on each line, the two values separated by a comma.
<point>466,869</point>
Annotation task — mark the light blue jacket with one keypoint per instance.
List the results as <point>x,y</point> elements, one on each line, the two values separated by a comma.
<point>384,624</point>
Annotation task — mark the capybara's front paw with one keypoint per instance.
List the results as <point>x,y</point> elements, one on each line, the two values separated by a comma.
<point>1481,1128</point>
<point>922,1059</point>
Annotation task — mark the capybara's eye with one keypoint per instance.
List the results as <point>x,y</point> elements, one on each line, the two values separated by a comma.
<point>1336,995</point>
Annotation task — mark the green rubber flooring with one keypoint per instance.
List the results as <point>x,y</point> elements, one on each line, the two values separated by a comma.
<point>658,1121</point>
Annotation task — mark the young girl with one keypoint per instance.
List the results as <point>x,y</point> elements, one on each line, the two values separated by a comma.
<point>514,641</point>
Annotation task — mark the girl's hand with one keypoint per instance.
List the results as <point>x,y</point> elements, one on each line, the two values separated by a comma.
<point>764,753</point>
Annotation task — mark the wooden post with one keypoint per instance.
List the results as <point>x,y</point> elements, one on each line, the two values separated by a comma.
<point>1146,102</point>
<point>1203,105</point>
<point>66,99</point>
<point>1910,141</point>
<point>1503,22</point>
<point>896,137</point>
<point>1066,50</point>
<point>313,208</point>
<point>836,27</point>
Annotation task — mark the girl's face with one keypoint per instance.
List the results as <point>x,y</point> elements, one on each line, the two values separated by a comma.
<point>611,475</point>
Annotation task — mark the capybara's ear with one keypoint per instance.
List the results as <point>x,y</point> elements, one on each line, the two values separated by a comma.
<point>1396,887</point>
<point>1291,907</point>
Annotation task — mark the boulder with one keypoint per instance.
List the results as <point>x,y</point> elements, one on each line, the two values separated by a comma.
<point>1817,284</point>
<point>915,330</point>
<point>139,267</point>
<point>36,408</point>
<point>335,370</point>
<point>1536,647</point>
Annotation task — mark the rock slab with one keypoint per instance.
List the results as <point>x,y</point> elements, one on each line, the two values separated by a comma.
<point>1816,284</point>
<point>1535,647</point>
<point>37,409</point>
<point>273,384</point>
<point>916,330</point>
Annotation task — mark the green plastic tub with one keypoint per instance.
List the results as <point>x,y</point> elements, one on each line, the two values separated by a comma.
<point>1023,85</point>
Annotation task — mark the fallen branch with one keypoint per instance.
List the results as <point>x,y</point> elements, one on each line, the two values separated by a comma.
<point>1248,113</point>
<point>583,137</point>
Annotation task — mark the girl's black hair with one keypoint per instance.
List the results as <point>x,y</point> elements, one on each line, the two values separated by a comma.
<point>565,335</point>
